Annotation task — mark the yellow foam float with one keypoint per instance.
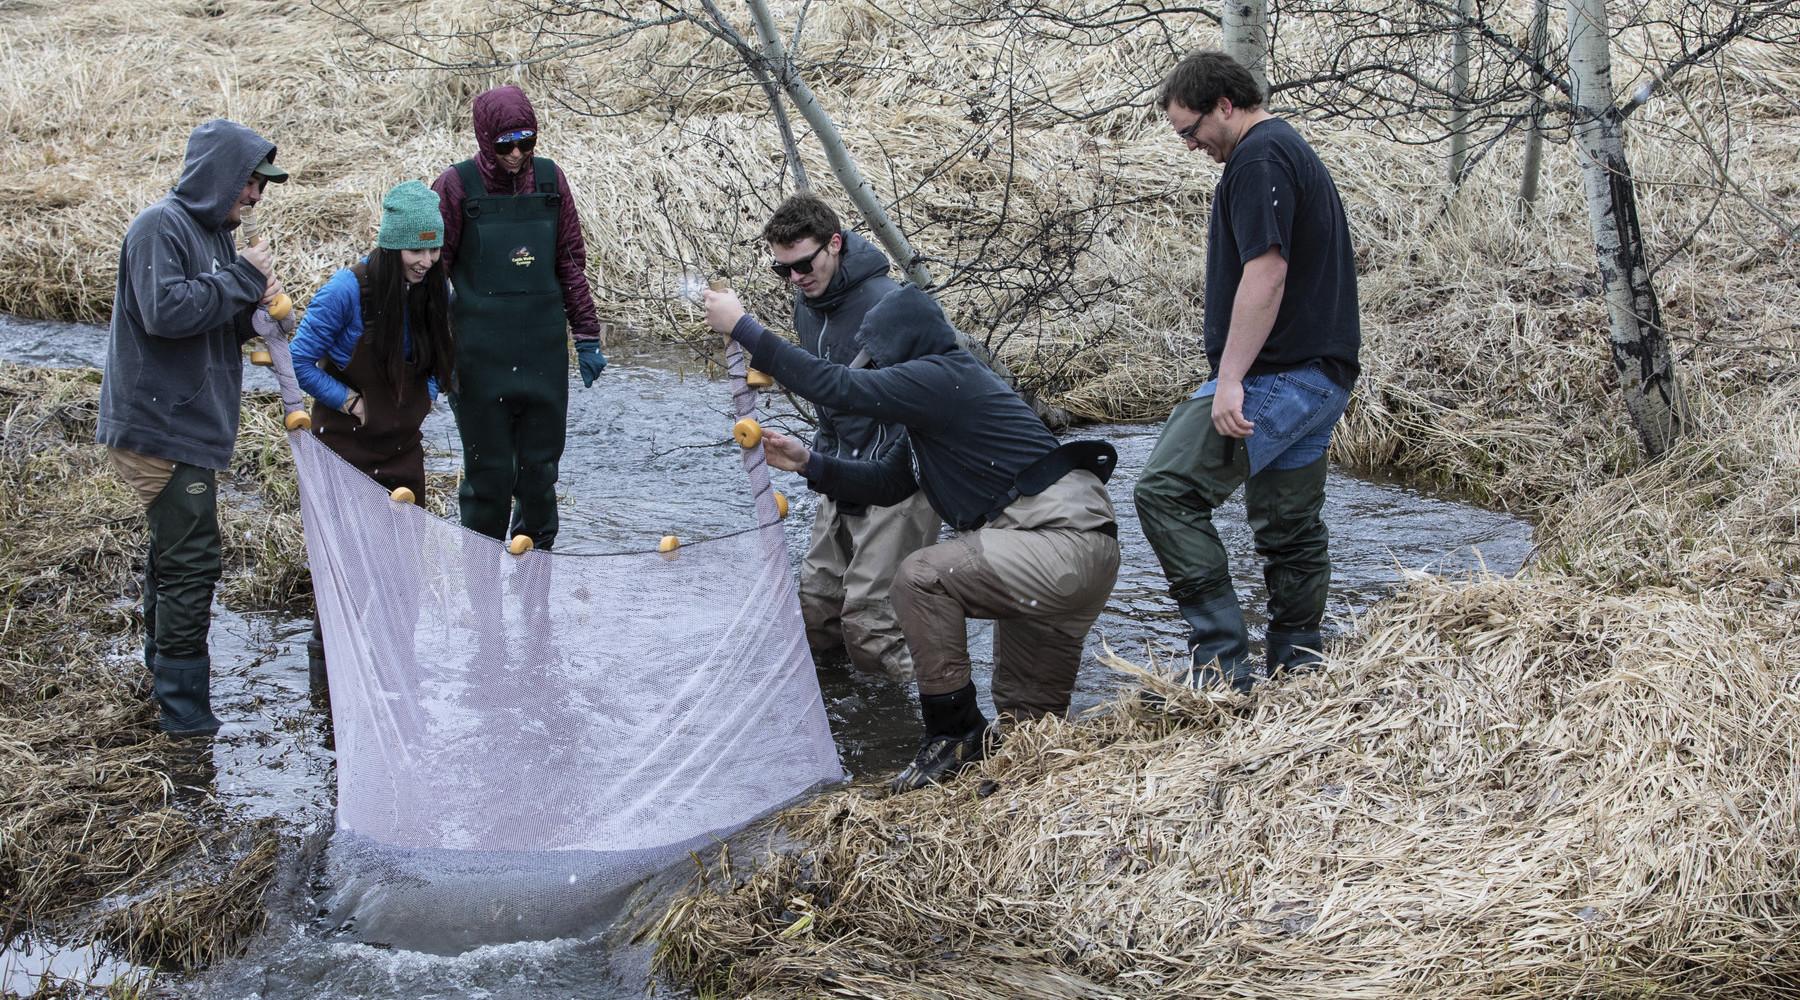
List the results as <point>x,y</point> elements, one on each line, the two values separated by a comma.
<point>748,433</point>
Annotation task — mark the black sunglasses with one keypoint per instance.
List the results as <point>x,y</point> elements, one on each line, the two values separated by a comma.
<point>802,266</point>
<point>526,144</point>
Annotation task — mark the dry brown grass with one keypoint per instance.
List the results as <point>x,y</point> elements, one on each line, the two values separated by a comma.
<point>191,924</point>
<point>1578,782</point>
<point>89,808</point>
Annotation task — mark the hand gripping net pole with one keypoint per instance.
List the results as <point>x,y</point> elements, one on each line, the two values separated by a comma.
<point>520,739</point>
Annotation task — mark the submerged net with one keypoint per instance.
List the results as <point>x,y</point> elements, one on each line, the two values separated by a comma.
<point>521,738</point>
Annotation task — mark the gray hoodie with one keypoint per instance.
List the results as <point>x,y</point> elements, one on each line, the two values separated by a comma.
<point>827,327</point>
<point>182,309</point>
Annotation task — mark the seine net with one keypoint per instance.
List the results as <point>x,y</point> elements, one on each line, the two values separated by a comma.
<point>521,738</point>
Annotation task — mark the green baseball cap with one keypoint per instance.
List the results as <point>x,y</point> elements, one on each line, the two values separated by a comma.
<point>268,171</point>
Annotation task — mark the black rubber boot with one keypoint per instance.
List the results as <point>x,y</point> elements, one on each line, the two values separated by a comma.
<point>150,621</point>
<point>318,683</point>
<point>1292,651</point>
<point>1218,647</point>
<point>183,692</point>
<point>955,737</point>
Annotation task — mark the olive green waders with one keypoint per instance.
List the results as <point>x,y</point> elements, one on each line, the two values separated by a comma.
<point>512,357</point>
<point>181,568</point>
<point>1192,471</point>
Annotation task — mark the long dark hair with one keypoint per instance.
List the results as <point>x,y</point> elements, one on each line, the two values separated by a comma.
<point>388,302</point>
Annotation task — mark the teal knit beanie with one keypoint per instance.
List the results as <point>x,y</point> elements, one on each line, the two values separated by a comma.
<point>410,219</point>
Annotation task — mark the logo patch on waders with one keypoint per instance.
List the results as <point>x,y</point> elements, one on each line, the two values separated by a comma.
<point>522,257</point>
<point>196,488</point>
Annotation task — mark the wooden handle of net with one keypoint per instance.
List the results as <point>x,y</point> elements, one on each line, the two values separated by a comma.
<point>279,306</point>
<point>752,378</point>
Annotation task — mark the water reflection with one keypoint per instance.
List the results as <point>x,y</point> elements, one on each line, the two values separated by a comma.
<point>649,454</point>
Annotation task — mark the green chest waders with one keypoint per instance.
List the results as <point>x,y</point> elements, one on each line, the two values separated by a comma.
<point>512,398</point>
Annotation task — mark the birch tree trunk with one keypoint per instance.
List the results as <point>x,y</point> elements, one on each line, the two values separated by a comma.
<point>1245,24</point>
<point>789,147</point>
<point>1534,142</point>
<point>861,192</point>
<point>1640,346</point>
<point>1459,92</point>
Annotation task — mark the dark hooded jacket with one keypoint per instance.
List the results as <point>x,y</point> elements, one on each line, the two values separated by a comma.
<point>497,112</point>
<point>181,311</point>
<point>970,434</point>
<point>827,326</point>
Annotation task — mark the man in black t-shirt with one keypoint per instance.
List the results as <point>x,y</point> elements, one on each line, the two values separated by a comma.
<point>1281,334</point>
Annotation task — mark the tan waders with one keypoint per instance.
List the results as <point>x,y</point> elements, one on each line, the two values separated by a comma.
<point>846,576</point>
<point>1042,571</point>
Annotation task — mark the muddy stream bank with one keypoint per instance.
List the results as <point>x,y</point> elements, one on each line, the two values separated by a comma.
<point>647,455</point>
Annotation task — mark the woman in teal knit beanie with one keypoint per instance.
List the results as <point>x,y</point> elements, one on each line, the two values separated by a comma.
<point>374,349</point>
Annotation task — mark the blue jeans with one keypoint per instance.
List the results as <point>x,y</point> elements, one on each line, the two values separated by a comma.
<point>1294,413</point>
<point>1281,466</point>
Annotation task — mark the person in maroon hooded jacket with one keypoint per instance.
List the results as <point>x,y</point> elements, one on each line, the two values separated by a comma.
<point>517,262</point>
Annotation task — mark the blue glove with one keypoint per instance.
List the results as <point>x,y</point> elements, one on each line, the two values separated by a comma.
<point>590,360</point>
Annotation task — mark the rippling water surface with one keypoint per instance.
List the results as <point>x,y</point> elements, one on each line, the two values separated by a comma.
<point>649,454</point>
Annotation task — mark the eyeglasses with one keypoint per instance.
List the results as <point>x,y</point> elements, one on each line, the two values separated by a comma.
<point>1187,134</point>
<point>524,145</point>
<point>802,266</point>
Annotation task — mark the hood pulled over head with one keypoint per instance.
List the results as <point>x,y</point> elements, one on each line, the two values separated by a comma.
<point>220,155</point>
<point>906,324</point>
<point>497,112</point>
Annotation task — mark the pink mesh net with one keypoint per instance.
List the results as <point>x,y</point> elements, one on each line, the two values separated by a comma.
<point>520,737</point>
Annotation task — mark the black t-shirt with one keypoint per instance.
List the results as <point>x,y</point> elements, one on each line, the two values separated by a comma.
<point>1276,192</point>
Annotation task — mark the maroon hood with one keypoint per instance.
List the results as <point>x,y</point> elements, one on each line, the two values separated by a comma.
<point>498,112</point>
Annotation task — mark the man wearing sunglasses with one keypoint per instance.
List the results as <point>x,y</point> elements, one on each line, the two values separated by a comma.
<point>188,297</point>
<point>849,566</point>
<point>517,261</point>
<point>1282,335</point>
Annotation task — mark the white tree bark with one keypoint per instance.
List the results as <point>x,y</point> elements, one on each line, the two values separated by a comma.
<point>1534,142</point>
<point>1459,90</point>
<point>1640,346</point>
<point>861,192</point>
<point>1245,24</point>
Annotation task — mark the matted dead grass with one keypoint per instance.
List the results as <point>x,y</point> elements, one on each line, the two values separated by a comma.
<point>91,807</point>
<point>1584,781</point>
<point>1578,782</point>
<point>1486,361</point>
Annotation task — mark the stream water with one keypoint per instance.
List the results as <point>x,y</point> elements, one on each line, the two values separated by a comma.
<point>649,454</point>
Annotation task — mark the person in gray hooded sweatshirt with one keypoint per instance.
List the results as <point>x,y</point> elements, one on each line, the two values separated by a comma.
<point>1036,548</point>
<point>187,299</point>
<point>855,548</point>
